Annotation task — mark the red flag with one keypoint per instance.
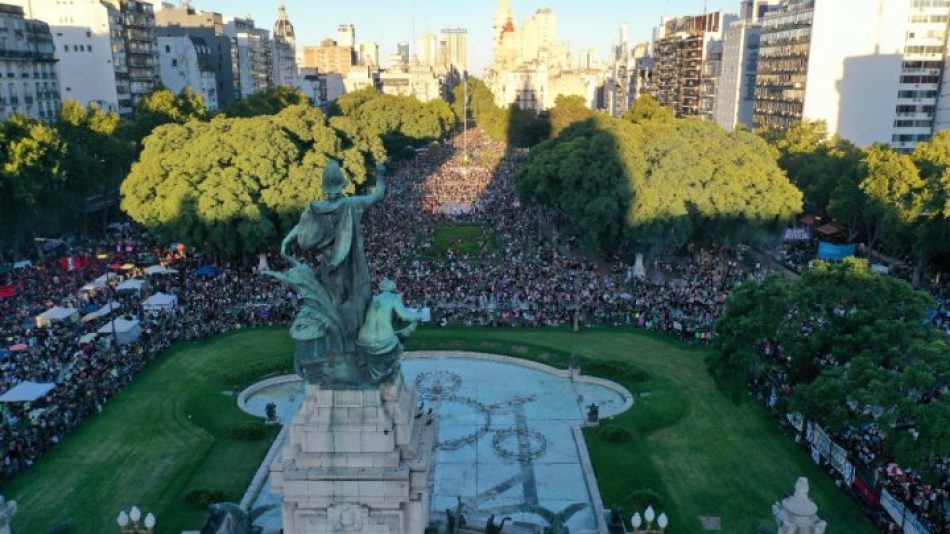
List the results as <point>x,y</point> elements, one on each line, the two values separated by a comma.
<point>7,292</point>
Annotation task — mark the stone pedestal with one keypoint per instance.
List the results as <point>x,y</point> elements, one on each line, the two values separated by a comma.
<point>356,461</point>
<point>798,514</point>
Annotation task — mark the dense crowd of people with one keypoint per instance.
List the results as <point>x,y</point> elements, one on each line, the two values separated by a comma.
<point>523,274</point>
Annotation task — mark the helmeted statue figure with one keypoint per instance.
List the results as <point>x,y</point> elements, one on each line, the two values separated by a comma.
<point>336,310</point>
<point>378,341</point>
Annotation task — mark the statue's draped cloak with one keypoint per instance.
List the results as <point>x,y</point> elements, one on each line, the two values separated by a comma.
<point>334,227</point>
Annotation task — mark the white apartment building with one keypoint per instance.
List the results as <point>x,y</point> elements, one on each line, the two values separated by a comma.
<point>421,81</point>
<point>428,49</point>
<point>28,61</point>
<point>185,62</point>
<point>453,48</point>
<point>735,94</point>
<point>254,56</point>
<point>346,36</point>
<point>369,54</point>
<point>107,49</point>
<point>871,69</point>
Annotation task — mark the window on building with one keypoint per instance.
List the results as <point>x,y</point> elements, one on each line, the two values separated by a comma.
<point>168,49</point>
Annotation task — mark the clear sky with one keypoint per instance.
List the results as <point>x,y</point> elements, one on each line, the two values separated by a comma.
<point>584,23</point>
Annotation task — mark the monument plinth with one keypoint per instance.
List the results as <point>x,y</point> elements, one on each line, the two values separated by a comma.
<point>357,455</point>
<point>356,461</point>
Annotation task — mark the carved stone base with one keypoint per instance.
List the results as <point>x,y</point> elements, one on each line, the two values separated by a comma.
<point>356,461</point>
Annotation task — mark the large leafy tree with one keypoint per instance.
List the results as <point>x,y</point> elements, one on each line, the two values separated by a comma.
<point>510,125</point>
<point>653,182</point>
<point>267,103</point>
<point>34,192</point>
<point>855,347</point>
<point>163,106</point>
<point>232,185</point>
<point>400,123</point>
<point>815,161</point>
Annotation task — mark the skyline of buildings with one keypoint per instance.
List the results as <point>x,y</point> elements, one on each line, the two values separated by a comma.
<point>774,64</point>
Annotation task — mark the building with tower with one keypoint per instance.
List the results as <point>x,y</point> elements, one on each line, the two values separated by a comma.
<point>284,55</point>
<point>530,68</point>
<point>428,50</point>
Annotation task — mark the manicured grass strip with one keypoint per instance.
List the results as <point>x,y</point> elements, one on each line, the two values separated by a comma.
<point>170,432</point>
<point>460,238</point>
<point>167,433</point>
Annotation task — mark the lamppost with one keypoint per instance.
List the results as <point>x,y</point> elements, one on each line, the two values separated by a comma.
<point>648,528</point>
<point>129,522</point>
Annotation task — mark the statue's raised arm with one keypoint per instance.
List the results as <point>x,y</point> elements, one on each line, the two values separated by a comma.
<point>379,191</point>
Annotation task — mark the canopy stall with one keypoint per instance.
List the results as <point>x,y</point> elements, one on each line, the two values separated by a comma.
<point>132,285</point>
<point>27,391</point>
<point>207,271</point>
<point>22,264</point>
<point>160,301</point>
<point>127,331</point>
<point>158,270</point>
<point>99,283</point>
<point>57,314</point>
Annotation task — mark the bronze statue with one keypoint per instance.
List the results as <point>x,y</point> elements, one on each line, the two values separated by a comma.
<point>342,340</point>
<point>378,342</point>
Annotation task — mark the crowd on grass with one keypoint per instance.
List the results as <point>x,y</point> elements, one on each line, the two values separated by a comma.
<point>928,500</point>
<point>522,273</point>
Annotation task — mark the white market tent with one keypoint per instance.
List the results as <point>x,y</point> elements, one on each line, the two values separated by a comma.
<point>108,308</point>
<point>127,331</point>
<point>132,285</point>
<point>160,301</point>
<point>26,391</point>
<point>88,338</point>
<point>98,283</point>
<point>22,264</point>
<point>159,269</point>
<point>57,314</point>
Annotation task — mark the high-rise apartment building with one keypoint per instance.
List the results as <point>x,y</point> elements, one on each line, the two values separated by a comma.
<point>27,55</point>
<point>369,54</point>
<point>107,49</point>
<point>872,70</point>
<point>284,54</point>
<point>735,96</point>
<point>402,49</point>
<point>428,50</point>
<point>185,63</point>
<point>254,55</point>
<point>453,48</point>
<point>687,56</point>
<point>346,36</point>
<point>185,21</point>
<point>328,57</point>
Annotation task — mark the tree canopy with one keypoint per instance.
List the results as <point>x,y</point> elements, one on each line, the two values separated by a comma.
<point>400,123</point>
<point>512,125</point>
<point>232,185</point>
<point>854,346</point>
<point>652,182</point>
<point>267,103</point>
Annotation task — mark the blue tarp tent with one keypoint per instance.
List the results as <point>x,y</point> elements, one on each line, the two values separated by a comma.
<point>26,391</point>
<point>830,251</point>
<point>207,270</point>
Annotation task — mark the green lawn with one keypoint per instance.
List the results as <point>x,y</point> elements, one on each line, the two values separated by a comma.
<point>169,433</point>
<point>460,238</point>
<point>166,434</point>
<point>702,454</point>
